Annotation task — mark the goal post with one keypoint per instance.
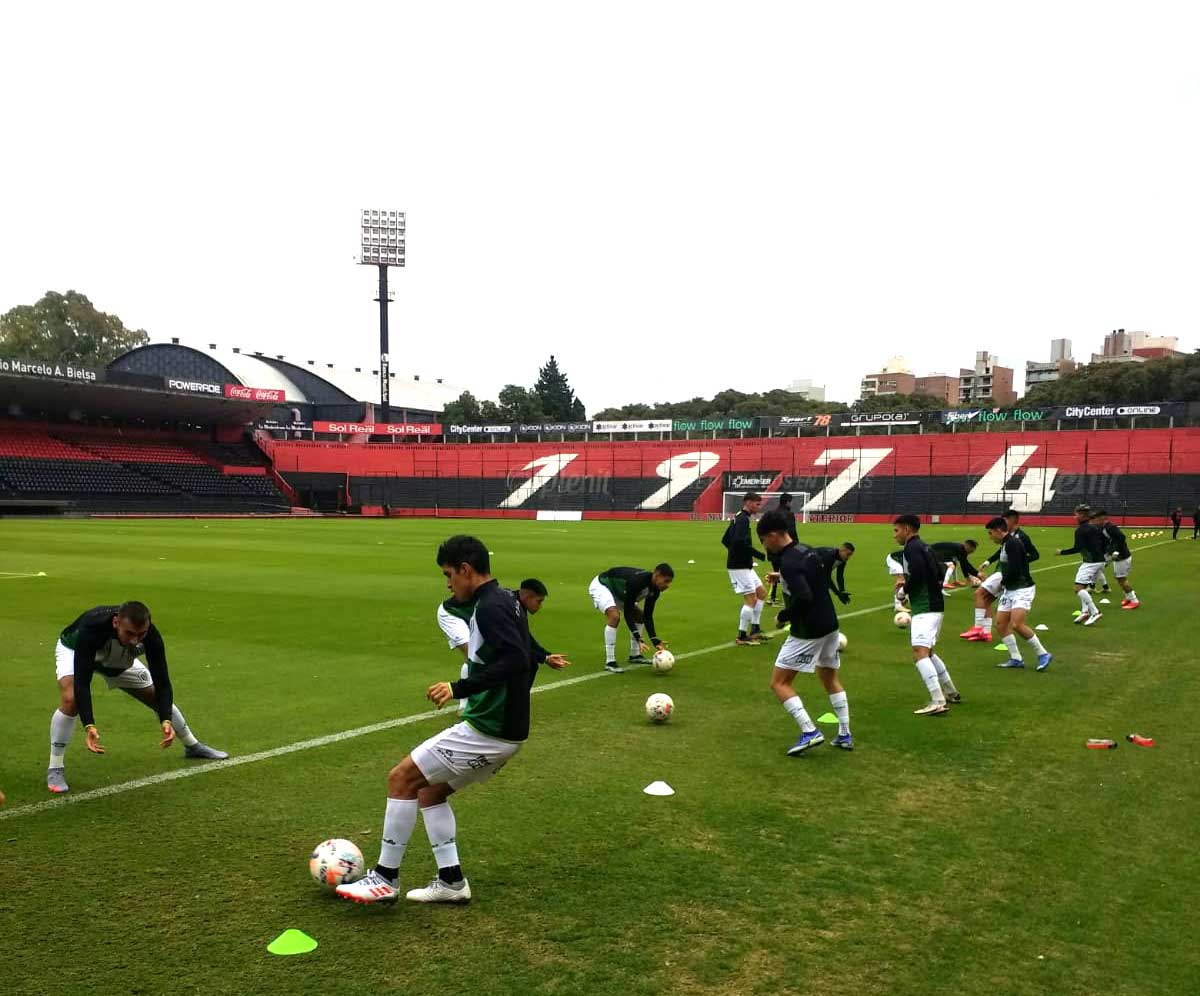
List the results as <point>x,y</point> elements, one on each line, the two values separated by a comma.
<point>731,503</point>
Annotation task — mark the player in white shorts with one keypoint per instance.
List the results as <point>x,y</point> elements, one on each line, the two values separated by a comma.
<point>1016,599</point>
<point>1116,546</point>
<point>989,590</point>
<point>1089,544</point>
<point>504,659</point>
<point>739,561</point>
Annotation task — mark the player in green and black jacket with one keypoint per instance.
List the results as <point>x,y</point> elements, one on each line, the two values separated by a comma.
<point>1016,598</point>
<point>1089,544</point>
<point>618,591</point>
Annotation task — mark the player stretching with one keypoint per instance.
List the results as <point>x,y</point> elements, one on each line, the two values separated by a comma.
<point>1017,597</point>
<point>813,643</point>
<point>785,507</point>
<point>1116,549</point>
<point>989,589</point>
<point>922,582</point>
<point>1089,544</point>
<point>108,640</point>
<point>739,560</point>
<point>954,555</point>
<point>625,587</point>
<point>503,663</point>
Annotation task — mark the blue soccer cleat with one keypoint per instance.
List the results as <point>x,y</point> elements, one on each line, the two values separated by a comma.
<point>1044,661</point>
<point>810,739</point>
<point>1012,662</point>
<point>844,741</point>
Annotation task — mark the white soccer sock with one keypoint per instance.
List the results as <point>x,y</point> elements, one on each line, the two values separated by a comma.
<point>635,642</point>
<point>987,624</point>
<point>1132,596</point>
<point>897,604</point>
<point>398,823</point>
<point>610,644</point>
<point>841,709</point>
<point>466,670</point>
<point>980,616</point>
<point>1035,644</point>
<point>441,827</point>
<point>62,728</point>
<point>1085,599</point>
<point>929,675</point>
<point>949,575</point>
<point>943,675</point>
<point>1010,644</point>
<point>181,728</point>
<point>744,619</point>
<point>795,709</point>
<point>756,615</point>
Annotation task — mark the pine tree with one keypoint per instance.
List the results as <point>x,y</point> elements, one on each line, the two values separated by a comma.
<point>554,390</point>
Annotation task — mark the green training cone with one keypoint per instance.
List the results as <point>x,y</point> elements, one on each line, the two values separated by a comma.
<point>292,942</point>
<point>827,718</point>
<point>1000,646</point>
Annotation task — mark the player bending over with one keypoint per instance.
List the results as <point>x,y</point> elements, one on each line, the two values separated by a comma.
<point>813,643</point>
<point>618,591</point>
<point>1016,599</point>
<point>503,660</point>
<point>1089,544</point>
<point>953,555</point>
<point>739,561</point>
<point>108,640</point>
<point>922,582</point>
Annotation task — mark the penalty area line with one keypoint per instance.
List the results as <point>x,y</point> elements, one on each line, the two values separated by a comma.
<point>71,799</point>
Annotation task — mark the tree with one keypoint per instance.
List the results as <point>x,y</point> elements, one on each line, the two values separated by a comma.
<point>519,405</point>
<point>1168,379</point>
<point>66,328</point>
<point>553,390</point>
<point>899,403</point>
<point>462,411</point>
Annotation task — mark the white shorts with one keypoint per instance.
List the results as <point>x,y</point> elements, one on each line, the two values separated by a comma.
<point>993,583</point>
<point>894,567</point>
<point>925,628</point>
<point>602,598</point>
<point>461,755</point>
<point>807,655</point>
<point>744,581</point>
<point>1089,574</point>
<point>1121,568</point>
<point>1018,598</point>
<point>457,631</point>
<point>137,675</point>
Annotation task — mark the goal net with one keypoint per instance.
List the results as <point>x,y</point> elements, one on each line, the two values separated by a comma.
<point>731,502</point>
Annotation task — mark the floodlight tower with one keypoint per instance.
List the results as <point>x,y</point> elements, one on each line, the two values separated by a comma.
<point>383,246</point>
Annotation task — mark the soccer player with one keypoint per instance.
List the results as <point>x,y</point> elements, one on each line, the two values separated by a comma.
<point>1176,521</point>
<point>1116,549</point>
<point>1196,522</point>
<point>952,554</point>
<point>503,663</point>
<point>1017,597</point>
<point>618,590</point>
<point>108,640</point>
<point>1089,544</point>
<point>813,643</point>
<point>739,561</point>
<point>989,588</point>
<point>785,506</point>
<point>922,582</point>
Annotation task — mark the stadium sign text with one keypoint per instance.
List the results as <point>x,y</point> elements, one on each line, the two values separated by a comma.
<point>750,479</point>
<point>710,424</point>
<point>379,428</point>
<point>790,420</point>
<point>880,418</point>
<point>194,386</point>
<point>481,429</point>
<point>253,393</point>
<point>38,368</point>
<point>995,415</point>
<point>644,425</point>
<point>529,428</point>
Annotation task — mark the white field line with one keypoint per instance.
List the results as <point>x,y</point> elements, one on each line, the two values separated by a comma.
<point>388,724</point>
<point>9,576</point>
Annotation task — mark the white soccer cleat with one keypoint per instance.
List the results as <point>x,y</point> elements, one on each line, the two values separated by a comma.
<point>371,888</point>
<point>933,709</point>
<point>438,891</point>
<point>1093,619</point>
<point>56,780</point>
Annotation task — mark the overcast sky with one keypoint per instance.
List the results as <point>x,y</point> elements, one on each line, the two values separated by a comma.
<point>674,198</point>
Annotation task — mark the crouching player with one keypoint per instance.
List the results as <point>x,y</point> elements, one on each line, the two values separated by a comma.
<point>813,643</point>
<point>1016,599</point>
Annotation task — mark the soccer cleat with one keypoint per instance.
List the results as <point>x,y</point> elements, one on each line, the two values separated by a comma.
<point>1044,661</point>
<point>759,635</point>
<point>1105,590</point>
<point>438,891</point>
<point>1082,618</point>
<point>1092,620</point>
<point>932,709</point>
<point>56,780</point>
<point>973,633</point>
<point>983,636</point>
<point>810,739</point>
<point>637,659</point>
<point>371,888</point>
<point>612,667</point>
<point>844,741</point>
<point>1130,605</point>
<point>204,752</point>
<point>746,641</point>
<point>953,698</point>
<point>1012,662</point>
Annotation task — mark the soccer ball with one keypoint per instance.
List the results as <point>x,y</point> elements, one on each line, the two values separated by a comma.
<point>902,619</point>
<point>659,707</point>
<point>842,641</point>
<point>663,661</point>
<point>334,862</point>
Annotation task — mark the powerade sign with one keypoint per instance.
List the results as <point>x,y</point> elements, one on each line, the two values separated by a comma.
<point>750,480</point>
<point>995,415</point>
<point>710,424</point>
<point>55,371</point>
<point>195,387</point>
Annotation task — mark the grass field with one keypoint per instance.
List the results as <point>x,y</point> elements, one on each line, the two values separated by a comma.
<point>984,853</point>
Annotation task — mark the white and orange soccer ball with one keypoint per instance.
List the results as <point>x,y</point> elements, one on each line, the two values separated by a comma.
<point>336,862</point>
<point>659,707</point>
<point>902,619</point>
<point>662,661</point>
